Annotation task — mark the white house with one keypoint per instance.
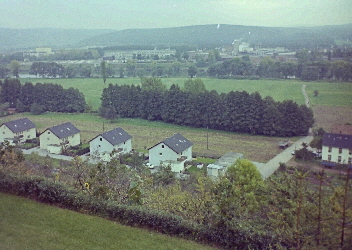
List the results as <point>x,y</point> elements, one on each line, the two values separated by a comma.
<point>55,138</point>
<point>337,149</point>
<point>117,139</point>
<point>174,150</point>
<point>21,129</point>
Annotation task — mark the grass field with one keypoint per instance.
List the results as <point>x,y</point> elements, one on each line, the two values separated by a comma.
<point>146,134</point>
<point>330,94</point>
<point>26,224</point>
<point>279,89</point>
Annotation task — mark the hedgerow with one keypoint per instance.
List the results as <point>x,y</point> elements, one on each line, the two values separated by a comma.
<point>60,195</point>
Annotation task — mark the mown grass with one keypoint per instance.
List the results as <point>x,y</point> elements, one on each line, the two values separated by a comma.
<point>330,94</point>
<point>26,224</point>
<point>146,134</point>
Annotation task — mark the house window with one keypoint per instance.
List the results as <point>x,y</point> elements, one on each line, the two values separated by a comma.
<point>160,153</point>
<point>350,152</point>
<point>329,149</point>
<point>340,150</point>
<point>329,157</point>
<point>162,146</point>
<point>3,132</point>
<point>47,139</point>
<point>349,160</point>
<point>101,139</point>
<point>48,133</point>
<point>99,146</point>
<point>124,143</point>
<point>72,136</point>
<point>339,159</point>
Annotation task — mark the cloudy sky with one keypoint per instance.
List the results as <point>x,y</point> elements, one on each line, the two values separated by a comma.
<point>127,14</point>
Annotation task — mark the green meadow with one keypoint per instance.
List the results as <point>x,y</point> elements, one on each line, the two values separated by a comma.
<point>26,224</point>
<point>279,89</point>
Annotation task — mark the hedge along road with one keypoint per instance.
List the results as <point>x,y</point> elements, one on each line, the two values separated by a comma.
<point>271,166</point>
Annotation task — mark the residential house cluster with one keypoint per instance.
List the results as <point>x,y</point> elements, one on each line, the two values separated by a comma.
<point>174,151</point>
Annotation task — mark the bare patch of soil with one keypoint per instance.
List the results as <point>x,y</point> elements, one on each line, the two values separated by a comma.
<point>326,116</point>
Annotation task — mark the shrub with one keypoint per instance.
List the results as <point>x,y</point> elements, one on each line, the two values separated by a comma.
<point>54,193</point>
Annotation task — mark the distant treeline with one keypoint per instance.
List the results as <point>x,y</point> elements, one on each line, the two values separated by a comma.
<point>234,111</point>
<point>41,97</point>
<point>306,69</point>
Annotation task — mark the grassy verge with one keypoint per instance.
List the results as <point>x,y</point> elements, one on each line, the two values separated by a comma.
<point>26,224</point>
<point>146,134</point>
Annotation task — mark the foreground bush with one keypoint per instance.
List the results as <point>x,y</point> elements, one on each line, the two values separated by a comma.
<point>58,194</point>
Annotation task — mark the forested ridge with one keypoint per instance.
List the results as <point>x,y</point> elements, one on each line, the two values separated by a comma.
<point>236,111</point>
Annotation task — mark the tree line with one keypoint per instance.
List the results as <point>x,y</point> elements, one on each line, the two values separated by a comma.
<point>41,97</point>
<point>235,111</point>
<point>308,67</point>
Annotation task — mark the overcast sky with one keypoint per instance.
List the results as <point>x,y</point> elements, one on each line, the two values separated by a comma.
<point>127,14</point>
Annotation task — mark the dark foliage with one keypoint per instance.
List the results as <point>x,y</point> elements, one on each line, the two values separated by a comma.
<point>41,97</point>
<point>234,111</point>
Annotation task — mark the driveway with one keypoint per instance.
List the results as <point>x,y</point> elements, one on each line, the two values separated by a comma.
<point>270,167</point>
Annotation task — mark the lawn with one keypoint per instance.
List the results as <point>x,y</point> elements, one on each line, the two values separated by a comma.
<point>146,134</point>
<point>26,224</point>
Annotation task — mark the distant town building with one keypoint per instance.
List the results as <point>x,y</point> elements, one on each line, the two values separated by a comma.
<point>143,54</point>
<point>39,52</point>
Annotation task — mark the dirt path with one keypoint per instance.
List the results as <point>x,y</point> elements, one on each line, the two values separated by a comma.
<point>286,155</point>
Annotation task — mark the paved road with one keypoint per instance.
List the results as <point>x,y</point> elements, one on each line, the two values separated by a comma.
<point>270,167</point>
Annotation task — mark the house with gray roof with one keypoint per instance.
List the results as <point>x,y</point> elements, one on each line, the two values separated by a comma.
<point>56,138</point>
<point>17,131</point>
<point>116,140</point>
<point>336,149</point>
<point>174,151</point>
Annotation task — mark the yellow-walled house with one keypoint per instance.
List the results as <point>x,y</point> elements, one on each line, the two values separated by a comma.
<point>55,138</point>
<point>19,130</point>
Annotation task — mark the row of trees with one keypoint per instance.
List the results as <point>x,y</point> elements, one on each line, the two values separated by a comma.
<point>234,111</point>
<point>41,97</point>
<point>270,68</point>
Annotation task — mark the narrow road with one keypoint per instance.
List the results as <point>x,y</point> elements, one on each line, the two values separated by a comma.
<point>270,167</point>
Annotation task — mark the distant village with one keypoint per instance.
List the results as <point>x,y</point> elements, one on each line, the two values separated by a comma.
<point>174,151</point>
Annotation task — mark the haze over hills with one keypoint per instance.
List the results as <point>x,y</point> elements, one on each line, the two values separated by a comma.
<point>294,37</point>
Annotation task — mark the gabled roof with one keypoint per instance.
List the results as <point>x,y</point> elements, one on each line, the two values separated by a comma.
<point>20,125</point>
<point>337,140</point>
<point>177,143</point>
<point>115,136</point>
<point>64,130</point>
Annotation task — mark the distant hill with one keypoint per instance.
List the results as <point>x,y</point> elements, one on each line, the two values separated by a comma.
<point>56,38</point>
<point>225,34</point>
<point>198,35</point>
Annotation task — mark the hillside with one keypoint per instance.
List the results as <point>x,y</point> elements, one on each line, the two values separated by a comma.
<point>225,34</point>
<point>198,35</point>
<point>56,38</point>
